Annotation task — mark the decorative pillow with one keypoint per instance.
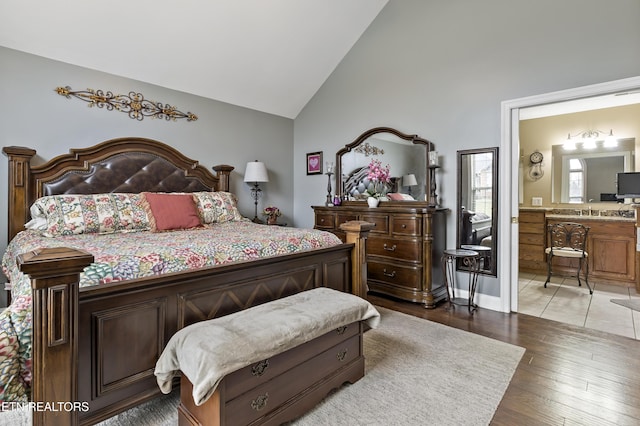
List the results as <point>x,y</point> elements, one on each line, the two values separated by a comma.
<point>217,206</point>
<point>38,219</point>
<point>91,213</point>
<point>173,211</point>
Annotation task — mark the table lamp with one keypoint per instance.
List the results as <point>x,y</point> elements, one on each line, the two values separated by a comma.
<point>409,181</point>
<point>256,172</point>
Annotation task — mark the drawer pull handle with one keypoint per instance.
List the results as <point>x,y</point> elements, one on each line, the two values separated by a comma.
<point>392,248</point>
<point>341,355</point>
<point>387,274</point>
<point>342,329</point>
<point>259,369</point>
<point>260,402</point>
<point>321,220</point>
<point>404,226</point>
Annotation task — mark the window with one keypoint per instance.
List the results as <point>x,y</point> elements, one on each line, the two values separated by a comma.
<point>481,183</point>
<point>576,180</point>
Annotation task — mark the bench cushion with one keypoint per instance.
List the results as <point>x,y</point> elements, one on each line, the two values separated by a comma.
<point>207,351</point>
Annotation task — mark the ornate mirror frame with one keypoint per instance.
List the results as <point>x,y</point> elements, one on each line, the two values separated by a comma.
<point>475,232</point>
<point>415,139</point>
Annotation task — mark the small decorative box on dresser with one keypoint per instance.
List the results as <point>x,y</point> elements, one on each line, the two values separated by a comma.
<point>403,249</point>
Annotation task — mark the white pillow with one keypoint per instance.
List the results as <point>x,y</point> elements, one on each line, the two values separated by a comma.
<point>38,219</point>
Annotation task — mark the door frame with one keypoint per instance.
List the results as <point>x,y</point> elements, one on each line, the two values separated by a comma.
<point>509,175</point>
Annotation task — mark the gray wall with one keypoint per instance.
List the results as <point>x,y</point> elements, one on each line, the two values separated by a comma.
<point>441,68</point>
<point>33,115</point>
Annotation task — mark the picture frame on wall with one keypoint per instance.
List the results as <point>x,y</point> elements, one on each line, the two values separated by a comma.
<point>314,163</point>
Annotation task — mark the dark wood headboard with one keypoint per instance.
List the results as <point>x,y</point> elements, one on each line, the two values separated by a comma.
<point>129,164</point>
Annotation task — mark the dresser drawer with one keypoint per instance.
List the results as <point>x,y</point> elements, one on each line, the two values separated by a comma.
<point>530,252</point>
<point>261,372</point>
<point>257,402</point>
<point>401,249</point>
<point>532,228</point>
<point>531,217</point>
<point>346,217</point>
<point>532,239</point>
<point>404,276</point>
<point>406,226</point>
<point>325,221</point>
<point>381,223</point>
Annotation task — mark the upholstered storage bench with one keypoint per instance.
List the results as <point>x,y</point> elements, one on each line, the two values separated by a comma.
<point>268,364</point>
<point>280,388</point>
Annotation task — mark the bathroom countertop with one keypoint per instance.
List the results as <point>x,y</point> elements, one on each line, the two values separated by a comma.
<point>577,217</point>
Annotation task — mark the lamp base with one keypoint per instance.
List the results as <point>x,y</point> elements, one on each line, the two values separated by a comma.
<point>257,220</point>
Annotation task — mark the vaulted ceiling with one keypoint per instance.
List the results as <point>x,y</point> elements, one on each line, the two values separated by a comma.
<point>267,55</point>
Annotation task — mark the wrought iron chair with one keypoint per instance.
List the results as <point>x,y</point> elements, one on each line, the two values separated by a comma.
<point>568,240</point>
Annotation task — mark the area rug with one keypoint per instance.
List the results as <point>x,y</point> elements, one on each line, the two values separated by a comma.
<point>633,304</point>
<point>417,372</point>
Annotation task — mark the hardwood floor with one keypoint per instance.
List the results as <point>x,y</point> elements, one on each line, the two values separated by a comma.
<point>568,375</point>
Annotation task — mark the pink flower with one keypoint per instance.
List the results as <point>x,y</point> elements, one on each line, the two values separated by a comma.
<point>377,173</point>
<point>378,176</point>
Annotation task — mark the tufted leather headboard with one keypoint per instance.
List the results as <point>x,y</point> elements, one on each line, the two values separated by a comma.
<point>119,165</point>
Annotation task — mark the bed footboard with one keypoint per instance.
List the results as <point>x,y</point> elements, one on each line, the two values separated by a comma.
<point>54,276</point>
<point>99,345</point>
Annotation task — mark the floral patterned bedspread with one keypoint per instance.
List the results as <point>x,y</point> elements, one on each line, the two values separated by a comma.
<point>125,256</point>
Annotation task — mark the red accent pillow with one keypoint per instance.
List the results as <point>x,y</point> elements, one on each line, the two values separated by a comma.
<point>173,211</point>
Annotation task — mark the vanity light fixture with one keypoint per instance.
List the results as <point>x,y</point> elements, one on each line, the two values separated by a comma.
<point>588,139</point>
<point>569,145</point>
<point>610,141</point>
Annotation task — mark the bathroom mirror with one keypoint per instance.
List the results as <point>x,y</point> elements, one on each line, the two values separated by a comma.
<point>587,175</point>
<point>478,205</point>
<point>405,154</point>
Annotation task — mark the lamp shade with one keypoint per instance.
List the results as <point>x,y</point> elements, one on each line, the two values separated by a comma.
<point>256,171</point>
<point>409,180</point>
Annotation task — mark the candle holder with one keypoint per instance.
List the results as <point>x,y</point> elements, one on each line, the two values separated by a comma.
<point>329,202</point>
<point>433,197</point>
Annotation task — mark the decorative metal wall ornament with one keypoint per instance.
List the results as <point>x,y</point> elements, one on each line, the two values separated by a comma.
<point>134,104</point>
<point>368,150</point>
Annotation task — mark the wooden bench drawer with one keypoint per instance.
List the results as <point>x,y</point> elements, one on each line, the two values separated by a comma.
<point>255,375</point>
<point>255,403</point>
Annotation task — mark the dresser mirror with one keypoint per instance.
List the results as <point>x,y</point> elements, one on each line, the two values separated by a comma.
<point>478,205</point>
<point>405,154</point>
<point>589,175</point>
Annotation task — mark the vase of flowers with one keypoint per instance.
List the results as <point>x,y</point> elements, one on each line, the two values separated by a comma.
<point>378,177</point>
<point>272,213</point>
<point>373,202</point>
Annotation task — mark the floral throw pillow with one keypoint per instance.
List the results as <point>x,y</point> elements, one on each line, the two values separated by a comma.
<point>217,207</point>
<point>92,213</point>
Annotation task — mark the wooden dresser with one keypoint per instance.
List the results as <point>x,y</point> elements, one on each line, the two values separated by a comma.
<point>403,249</point>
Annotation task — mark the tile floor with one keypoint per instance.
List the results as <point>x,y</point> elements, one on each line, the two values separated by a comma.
<point>565,302</point>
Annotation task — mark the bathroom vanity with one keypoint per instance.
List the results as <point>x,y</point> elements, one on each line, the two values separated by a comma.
<point>611,243</point>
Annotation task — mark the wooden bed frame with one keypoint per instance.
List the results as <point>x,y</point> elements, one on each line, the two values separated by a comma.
<point>100,344</point>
